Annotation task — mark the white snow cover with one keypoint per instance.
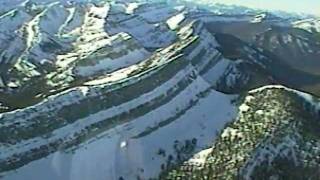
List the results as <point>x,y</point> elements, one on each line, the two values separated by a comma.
<point>210,19</point>
<point>159,12</point>
<point>244,108</point>
<point>109,65</point>
<point>12,21</point>
<point>199,159</point>
<point>174,21</point>
<point>69,130</point>
<point>53,19</point>
<point>306,96</point>
<point>10,24</point>
<point>308,25</point>
<point>114,76</point>
<point>259,18</point>
<point>269,150</point>
<point>216,72</point>
<point>32,27</point>
<point>131,7</point>
<point>287,38</point>
<point>151,35</point>
<point>90,36</point>
<point>130,53</point>
<point>116,152</point>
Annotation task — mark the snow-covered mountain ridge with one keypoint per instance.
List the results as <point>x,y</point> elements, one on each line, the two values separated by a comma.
<point>130,89</point>
<point>275,133</point>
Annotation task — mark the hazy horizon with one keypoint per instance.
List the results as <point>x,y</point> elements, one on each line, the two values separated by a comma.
<point>306,6</point>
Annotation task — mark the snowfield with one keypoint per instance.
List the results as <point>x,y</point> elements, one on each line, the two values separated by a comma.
<point>95,89</point>
<point>208,116</point>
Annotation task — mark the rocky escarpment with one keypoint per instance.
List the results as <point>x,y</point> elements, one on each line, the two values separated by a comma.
<point>274,136</point>
<point>131,89</point>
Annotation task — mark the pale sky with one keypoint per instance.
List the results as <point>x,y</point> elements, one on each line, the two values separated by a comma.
<point>304,6</point>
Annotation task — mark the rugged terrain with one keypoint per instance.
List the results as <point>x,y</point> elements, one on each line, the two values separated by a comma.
<point>275,136</point>
<point>141,90</point>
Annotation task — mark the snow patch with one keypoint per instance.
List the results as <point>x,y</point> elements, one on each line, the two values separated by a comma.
<point>174,21</point>
<point>244,108</point>
<point>199,159</point>
<point>131,7</point>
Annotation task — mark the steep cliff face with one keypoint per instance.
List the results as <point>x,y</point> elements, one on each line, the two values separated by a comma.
<point>132,89</point>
